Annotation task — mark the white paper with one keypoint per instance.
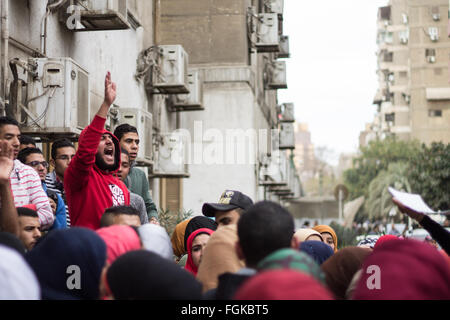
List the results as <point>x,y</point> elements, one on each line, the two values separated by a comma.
<point>412,201</point>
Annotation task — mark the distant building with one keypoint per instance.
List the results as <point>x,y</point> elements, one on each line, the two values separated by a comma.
<point>413,59</point>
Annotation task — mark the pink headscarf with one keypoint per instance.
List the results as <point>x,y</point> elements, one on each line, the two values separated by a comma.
<point>119,239</point>
<point>190,266</point>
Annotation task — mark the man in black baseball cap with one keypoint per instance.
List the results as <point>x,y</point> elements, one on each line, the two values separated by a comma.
<point>232,204</point>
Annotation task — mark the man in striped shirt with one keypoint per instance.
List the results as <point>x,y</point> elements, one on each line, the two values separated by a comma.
<point>62,153</point>
<point>25,183</point>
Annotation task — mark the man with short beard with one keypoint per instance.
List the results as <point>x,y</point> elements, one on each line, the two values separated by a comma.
<point>89,181</point>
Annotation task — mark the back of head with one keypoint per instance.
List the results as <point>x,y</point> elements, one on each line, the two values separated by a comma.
<point>26,140</point>
<point>17,279</point>
<point>119,239</point>
<point>404,270</point>
<point>219,257</point>
<point>341,267</point>
<point>282,285</point>
<point>107,218</point>
<point>263,229</point>
<point>317,250</point>
<point>145,275</point>
<point>67,251</point>
<point>155,239</point>
<point>11,241</point>
<point>177,239</point>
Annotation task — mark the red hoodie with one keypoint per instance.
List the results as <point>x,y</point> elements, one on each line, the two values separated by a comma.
<point>89,190</point>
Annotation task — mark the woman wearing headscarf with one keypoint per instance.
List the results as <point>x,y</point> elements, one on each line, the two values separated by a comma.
<point>340,269</point>
<point>119,239</point>
<point>291,259</point>
<point>17,280</point>
<point>329,236</point>
<point>317,250</point>
<point>219,257</point>
<point>404,270</point>
<point>306,234</point>
<point>145,275</point>
<point>196,223</point>
<point>196,244</point>
<point>155,239</point>
<point>74,256</point>
<point>282,285</point>
<point>177,238</point>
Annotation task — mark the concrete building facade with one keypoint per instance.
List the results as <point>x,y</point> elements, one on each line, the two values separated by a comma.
<point>222,41</point>
<point>414,91</point>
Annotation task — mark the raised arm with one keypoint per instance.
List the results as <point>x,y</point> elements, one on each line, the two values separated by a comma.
<point>9,220</point>
<point>436,231</point>
<point>79,168</point>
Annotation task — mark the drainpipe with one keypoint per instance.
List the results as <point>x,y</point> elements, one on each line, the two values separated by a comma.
<point>5,47</point>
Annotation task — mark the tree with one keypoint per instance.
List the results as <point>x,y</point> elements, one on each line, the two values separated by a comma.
<point>375,158</point>
<point>429,175</point>
<point>380,202</point>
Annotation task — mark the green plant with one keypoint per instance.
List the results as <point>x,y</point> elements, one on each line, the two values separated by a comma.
<point>346,236</point>
<point>169,219</point>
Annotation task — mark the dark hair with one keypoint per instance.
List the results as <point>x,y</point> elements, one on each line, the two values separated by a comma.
<point>122,150</point>
<point>60,143</point>
<point>106,219</point>
<point>7,120</point>
<point>26,212</point>
<point>122,129</point>
<point>24,153</point>
<point>27,140</point>
<point>262,229</point>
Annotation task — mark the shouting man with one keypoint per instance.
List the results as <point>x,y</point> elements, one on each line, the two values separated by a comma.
<point>89,181</point>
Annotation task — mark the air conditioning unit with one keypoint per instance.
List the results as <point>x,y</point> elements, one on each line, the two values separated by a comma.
<point>284,47</point>
<point>287,136</point>
<point>194,99</point>
<point>170,156</point>
<point>431,59</point>
<point>275,74</point>
<point>274,171</point>
<point>95,15</point>
<point>58,100</point>
<point>433,32</point>
<point>286,112</point>
<point>267,37</point>
<point>274,6</point>
<point>143,122</point>
<point>170,74</point>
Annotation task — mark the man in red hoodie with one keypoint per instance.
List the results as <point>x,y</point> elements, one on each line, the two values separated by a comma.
<point>89,182</point>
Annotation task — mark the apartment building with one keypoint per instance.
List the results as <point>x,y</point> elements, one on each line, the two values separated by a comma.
<point>194,76</point>
<point>413,55</point>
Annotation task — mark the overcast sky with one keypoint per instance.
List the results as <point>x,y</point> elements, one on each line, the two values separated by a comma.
<point>331,71</point>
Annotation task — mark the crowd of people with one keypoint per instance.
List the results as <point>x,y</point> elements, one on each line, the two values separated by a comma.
<point>89,230</point>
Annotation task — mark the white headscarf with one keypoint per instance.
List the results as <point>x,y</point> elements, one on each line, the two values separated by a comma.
<point>17,279</point>
<point>155,239</point>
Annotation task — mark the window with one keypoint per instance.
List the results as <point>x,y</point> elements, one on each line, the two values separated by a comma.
<point>430,55</point>
<point>403,74</point>
<point>435,13</point>
<point>434,113</point>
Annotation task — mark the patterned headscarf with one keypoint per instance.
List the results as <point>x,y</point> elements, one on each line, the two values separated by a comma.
<point>368,242</point>
<point>291,259</point>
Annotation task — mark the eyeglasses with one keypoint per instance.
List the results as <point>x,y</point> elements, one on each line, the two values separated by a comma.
<point>65,158</point>
<point>37,163</point>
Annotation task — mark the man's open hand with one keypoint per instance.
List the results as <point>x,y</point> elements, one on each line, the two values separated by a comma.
<point>6,161</point>
<point>110,90</point>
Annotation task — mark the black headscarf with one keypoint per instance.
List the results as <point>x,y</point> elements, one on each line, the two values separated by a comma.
<point>196,223</point>
<point>145,275</point>
<point>55,257</point>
